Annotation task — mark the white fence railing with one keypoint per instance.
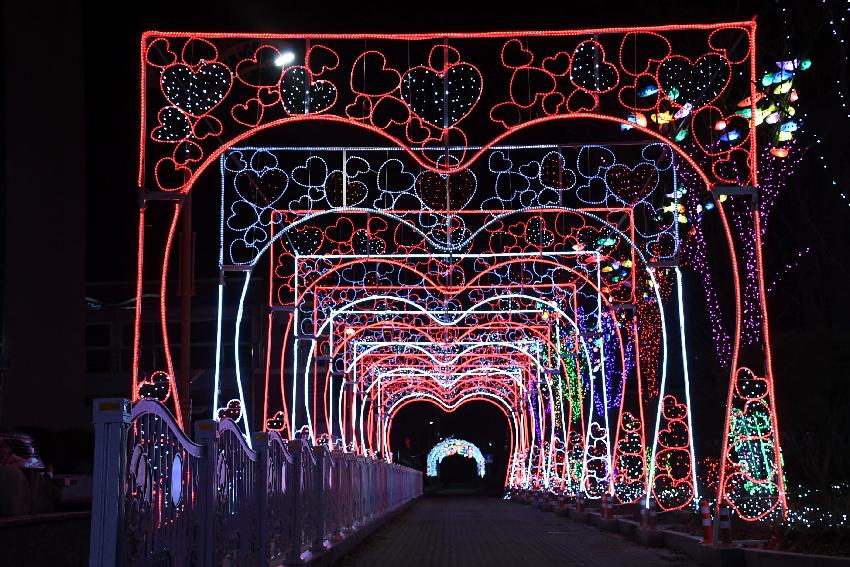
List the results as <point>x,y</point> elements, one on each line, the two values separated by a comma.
<point>162,499</point>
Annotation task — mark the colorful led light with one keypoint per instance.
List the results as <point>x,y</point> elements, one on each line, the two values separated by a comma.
<point>403,266</point>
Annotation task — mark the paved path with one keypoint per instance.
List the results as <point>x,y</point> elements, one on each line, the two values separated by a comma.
<point>465,531</point>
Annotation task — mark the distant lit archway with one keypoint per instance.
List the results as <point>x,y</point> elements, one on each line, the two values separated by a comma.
<point>451,446</point>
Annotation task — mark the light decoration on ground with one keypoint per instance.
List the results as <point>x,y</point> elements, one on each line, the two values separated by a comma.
<point>751,476</point>
<point>629,459</point>
<point>452,446</point>
<point>672,469</point>
<point>451,266</point>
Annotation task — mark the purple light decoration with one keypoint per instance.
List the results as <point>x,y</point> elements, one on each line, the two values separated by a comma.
<point>695,251</point>
<point>613,375</point>
<point>751,323</point>
<point>788,267</point>
<point>774,175</point>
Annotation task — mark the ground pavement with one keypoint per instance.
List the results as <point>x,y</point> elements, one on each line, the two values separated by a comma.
<point>466,531</point>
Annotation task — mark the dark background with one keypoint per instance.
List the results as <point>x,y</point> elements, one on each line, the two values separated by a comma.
<point>70,96</point>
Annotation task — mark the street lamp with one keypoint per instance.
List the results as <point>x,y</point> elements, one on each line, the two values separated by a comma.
<point>284,58</point>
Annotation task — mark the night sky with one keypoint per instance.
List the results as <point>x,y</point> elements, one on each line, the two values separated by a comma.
<point>808,304</point>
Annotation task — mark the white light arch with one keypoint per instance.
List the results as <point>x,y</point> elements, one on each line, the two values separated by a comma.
<point>452,446</point>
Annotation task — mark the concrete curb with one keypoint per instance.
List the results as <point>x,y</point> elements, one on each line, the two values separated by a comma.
<point>576,516</point>
<point>707,555</point>
<point>627,527</point>
<point>767,557</point>
<point>649,538</point>
<point>603,524</point>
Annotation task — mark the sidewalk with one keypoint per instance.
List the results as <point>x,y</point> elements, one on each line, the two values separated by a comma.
<point>469,531</point>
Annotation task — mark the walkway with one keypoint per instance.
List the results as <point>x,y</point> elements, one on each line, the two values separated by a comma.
<point>466,531</point>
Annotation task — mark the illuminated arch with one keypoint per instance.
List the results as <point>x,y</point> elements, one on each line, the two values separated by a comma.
<point>335,211</point>
<point>194,166</point>
<point>213,157</point>
<point>452,446</point>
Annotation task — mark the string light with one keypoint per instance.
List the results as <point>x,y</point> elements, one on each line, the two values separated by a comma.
<point>402,280</point>
<point>837,29</point>
<point>789,267</point>
<point>452,446</point>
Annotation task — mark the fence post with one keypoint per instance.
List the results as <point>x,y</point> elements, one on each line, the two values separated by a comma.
<point>384,487</point>
<point>391,486</point>
<point>319,497</point>
<point>111,420</point>
<point>340,495</point>
<point>371,482</point>
<point>376,488</point>
<point>402,486</point>
<point>406,493</point>
<point>364,490</point>
<point>206,434</point>
<point>346,496</point>
<point>295,482</point>
<point>261,446</point>
<point>361,491</point>
<point>353,468</point>
<point>377,495</point>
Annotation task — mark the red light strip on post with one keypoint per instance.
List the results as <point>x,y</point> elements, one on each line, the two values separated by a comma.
<point>137,316</point>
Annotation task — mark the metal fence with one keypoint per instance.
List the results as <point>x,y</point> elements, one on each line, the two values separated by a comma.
<point>162,499</point>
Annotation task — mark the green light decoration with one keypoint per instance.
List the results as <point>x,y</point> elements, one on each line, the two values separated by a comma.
<point>629,467</point>
<point>750,436</point>
<point>574,389</point>
<point>575,452</point>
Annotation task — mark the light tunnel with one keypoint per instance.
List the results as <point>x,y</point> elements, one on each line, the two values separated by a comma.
<point>574,446</point>
<point>452,446</point>
<point>595,443</point>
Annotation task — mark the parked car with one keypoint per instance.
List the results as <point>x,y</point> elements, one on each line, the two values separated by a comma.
<point>17,449</point>
<point>25,483</point>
